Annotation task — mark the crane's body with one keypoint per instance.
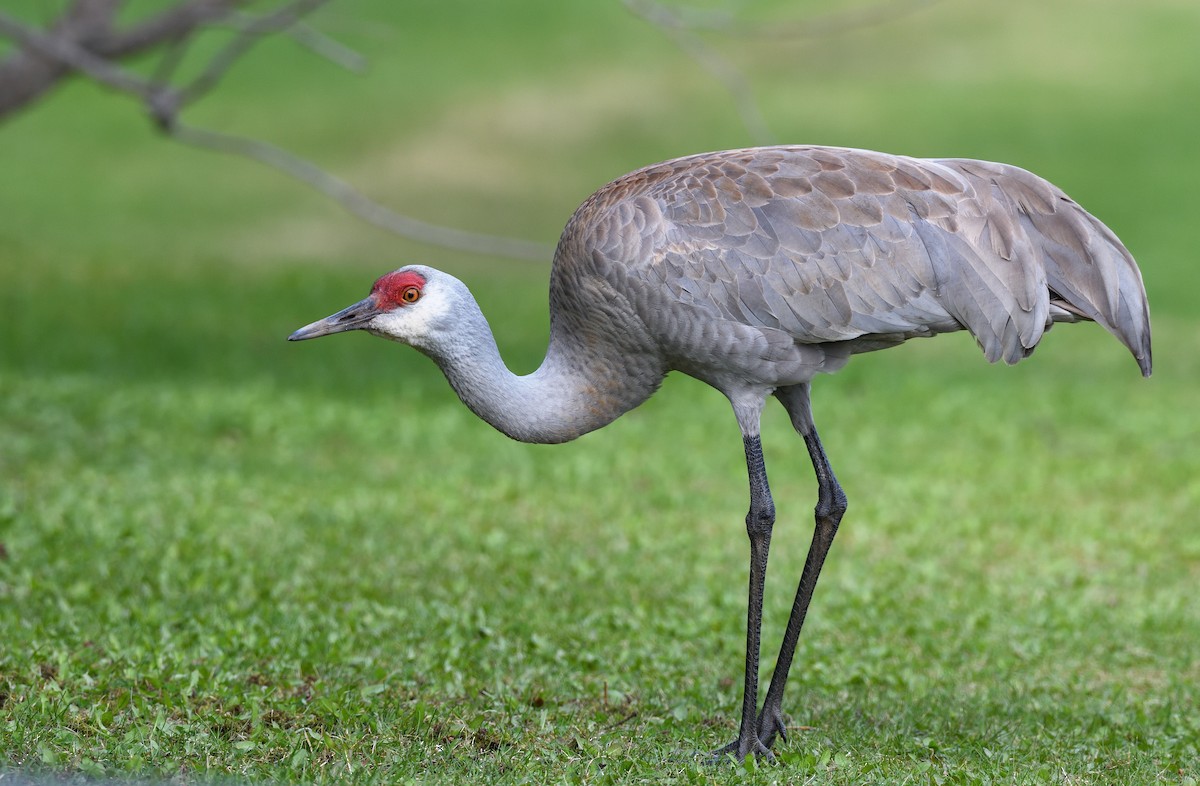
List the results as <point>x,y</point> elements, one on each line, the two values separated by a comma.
<point>754,270</point>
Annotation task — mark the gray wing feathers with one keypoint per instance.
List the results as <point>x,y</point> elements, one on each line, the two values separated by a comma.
<point>1088,270</point>
<point>831,245</point>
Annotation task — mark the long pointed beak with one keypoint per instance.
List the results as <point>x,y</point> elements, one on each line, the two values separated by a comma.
<point>351,318</point>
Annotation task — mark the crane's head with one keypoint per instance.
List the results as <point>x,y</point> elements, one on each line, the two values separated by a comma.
<point>413,305</point>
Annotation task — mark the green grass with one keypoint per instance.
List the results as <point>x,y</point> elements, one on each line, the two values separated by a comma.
<point>226,556</point>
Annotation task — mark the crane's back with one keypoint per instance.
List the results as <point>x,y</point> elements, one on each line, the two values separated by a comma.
<point>773,264</point>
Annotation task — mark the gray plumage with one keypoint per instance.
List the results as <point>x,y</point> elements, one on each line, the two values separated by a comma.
<point>754,270</point>
<point>778,263</point>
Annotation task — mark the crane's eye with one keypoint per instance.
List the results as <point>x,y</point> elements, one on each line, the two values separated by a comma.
<point>410,295</point>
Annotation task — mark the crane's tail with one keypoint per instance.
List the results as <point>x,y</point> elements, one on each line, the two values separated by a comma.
<point>1090,273</point>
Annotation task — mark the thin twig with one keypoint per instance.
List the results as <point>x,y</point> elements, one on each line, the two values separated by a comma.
<point>726,73</point>
<point>825,25</point>
<point>253,30</point>
<point>735,83</point>
<point>841,23</point>
<point>681,24</point>
<point>355,201</point>
<point>173,55</point>
<point>182,18</point>
<point>249,35</point>
<point>328,47</point>
<point>314,40</point>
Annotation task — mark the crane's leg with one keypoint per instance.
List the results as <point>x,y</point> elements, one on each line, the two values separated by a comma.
<point>759,522</point>
<point>831,504</point>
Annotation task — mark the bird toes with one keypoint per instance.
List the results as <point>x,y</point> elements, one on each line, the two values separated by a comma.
<point>770,724</point>
<point>740,749</point>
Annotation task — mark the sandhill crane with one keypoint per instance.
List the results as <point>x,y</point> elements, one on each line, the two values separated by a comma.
<point>753,270</point>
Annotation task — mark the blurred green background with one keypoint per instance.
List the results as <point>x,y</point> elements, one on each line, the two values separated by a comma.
<point>227,554</point>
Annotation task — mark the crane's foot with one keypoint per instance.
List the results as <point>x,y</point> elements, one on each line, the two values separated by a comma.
<point>770,724</point>
<point>741,748</point>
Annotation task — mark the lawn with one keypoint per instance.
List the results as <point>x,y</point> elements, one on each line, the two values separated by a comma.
<point>227,557</point>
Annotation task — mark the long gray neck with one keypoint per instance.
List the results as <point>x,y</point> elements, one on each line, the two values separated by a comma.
<point>570,394</point>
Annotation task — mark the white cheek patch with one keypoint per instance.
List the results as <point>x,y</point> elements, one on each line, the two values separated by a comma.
<point>412,323</point>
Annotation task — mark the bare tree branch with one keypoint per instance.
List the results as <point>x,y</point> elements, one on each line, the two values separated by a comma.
<point>356,202</point>
<point>86,26</point>
<point>84,42</point>
<point>64,53</point>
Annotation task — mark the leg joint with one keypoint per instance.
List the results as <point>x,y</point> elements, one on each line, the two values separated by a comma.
<point>832,506</point>
<point>761,519</point>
